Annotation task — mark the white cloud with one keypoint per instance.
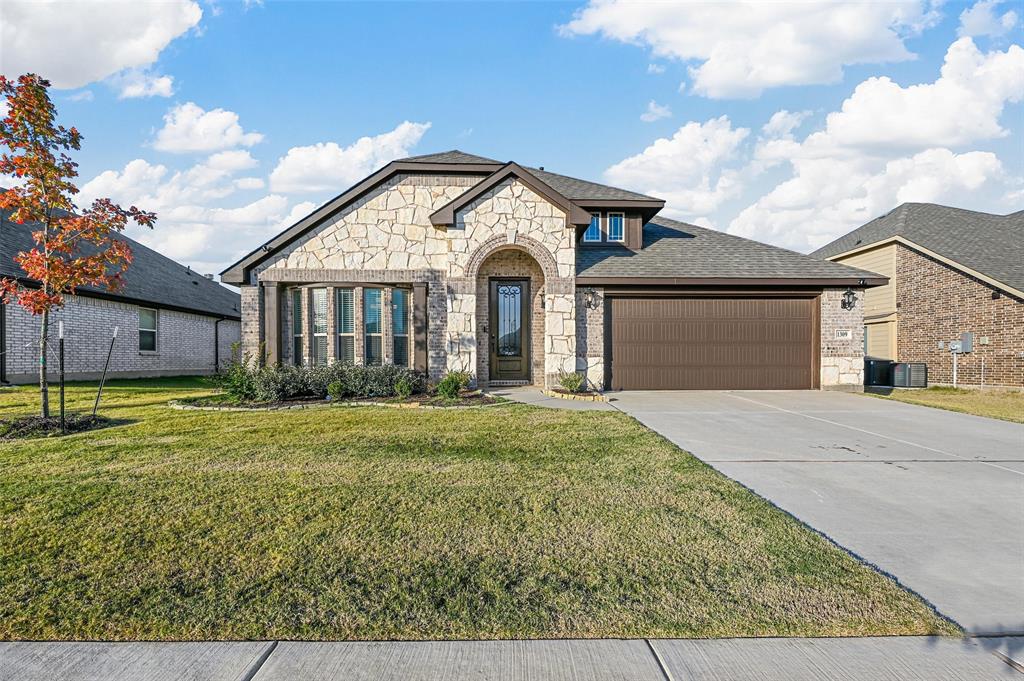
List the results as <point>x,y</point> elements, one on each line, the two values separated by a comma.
<point>962,106</point>
<point>686,169</point>
<point>743,49</point>
<point>327,166</point>
<point>827,197</point>
<point>136,83</point>
<point>83,96</point>
<point>76,43</point>
<point>981,19</point>
<point>655,112</point>
<point>887,145</point>
<point>193,223</point>
<point>189,128</point>
<point>655,69</point>
<point>783,123</point>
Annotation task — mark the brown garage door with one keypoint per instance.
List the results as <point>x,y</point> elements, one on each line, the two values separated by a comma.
<point>712,343</point>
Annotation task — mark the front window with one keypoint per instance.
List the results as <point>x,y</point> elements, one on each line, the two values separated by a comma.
<point>345,318</point>
<point>297,327</point>
<point>400,325</point>
<point>372,327</point>
<point>593,232</point>
<point>147,330</point>
<point>616,227</point>
<point>319,314</point>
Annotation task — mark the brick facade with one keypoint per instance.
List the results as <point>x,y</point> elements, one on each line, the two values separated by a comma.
<point>510,263</point>
<point>937,302</point>
<point>185,342</point>
<point>842,341</point>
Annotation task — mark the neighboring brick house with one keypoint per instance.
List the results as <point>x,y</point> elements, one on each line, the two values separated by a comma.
<point>457,262</point>
<point>950,271</point>
<point>171,321</point>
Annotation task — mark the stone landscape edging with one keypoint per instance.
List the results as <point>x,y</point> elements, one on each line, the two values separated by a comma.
<point>592,397</point>
<point>176,404</point>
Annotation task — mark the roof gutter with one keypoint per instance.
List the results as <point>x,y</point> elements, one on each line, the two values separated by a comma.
<point>860,282</point>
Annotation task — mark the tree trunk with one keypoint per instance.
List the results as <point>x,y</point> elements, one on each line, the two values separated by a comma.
<point>44,393</point>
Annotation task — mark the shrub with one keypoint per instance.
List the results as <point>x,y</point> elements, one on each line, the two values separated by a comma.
<point>572,381</point>
<point>453,383</point>
<point>404,388</point>
<point>246,382</point>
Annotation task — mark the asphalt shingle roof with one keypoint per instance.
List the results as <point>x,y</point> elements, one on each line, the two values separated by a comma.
<point>677,249</point>
<point>582,190</point>
<point>451,156</point>
<point>990,244</point>
<point>571,188</point>
<point>151,278</point>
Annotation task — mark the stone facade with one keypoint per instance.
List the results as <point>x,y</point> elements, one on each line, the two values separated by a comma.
<point>386,236</point>
<point>842,341</point>
<point>937,302</point>
<point>185,342</point>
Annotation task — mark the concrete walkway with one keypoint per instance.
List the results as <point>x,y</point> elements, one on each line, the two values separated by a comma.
<point>933,497</point>
<point>878,659</point>
<point>531,394</point>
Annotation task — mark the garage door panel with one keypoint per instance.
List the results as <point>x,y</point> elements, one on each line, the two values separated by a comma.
<point>712,343</point>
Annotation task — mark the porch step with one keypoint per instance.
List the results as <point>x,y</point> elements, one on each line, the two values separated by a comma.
<point>507,384</point>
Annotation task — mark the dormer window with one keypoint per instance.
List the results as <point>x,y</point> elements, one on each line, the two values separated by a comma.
<point>593,233</point>
<point>616,227</point>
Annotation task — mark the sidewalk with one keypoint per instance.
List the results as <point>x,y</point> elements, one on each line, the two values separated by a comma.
<point>879,659</point>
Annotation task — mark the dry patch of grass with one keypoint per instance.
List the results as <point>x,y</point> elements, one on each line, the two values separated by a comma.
<point>1007,405</point>
<point>375,523</point>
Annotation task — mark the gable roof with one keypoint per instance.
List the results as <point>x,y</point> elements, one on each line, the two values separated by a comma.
<point>446,214</point>
<point>584,193</point>
<point>151,279</point>
<point>992,245</point>
<point>684,253</point>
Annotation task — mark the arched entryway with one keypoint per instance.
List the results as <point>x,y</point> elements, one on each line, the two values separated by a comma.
<point>510,318</point>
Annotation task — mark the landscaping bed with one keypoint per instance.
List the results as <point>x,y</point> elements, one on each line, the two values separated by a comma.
<point>226,402</point>
<point>36,426</point>
<point>382,524</point>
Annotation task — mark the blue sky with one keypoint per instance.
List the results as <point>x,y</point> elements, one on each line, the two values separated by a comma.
<point>233,119</point>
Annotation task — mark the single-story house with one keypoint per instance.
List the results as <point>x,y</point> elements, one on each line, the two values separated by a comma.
<point>452,261</point>
<point>950,271</point>
<point>171,321</point>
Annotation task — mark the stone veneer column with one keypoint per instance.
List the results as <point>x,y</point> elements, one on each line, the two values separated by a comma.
<point>559,335</point>
<point>461,334</point>
<point>842,360</point>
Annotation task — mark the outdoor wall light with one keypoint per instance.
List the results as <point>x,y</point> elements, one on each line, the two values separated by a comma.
<point>849,299</point>
<point>591,300</point>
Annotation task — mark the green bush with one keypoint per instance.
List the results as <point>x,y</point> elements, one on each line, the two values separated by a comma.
<point>572,381</point>
<point>453,383</point>
<point>404,388</point>
<point>245,381</point>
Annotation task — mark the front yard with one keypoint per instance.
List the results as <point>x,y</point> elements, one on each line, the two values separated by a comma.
<point>997,404</point>
<point>375,523</point>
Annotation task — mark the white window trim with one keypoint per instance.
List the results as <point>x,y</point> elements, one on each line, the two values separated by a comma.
<point>297,350</point>
<point>155,330</point>
<point>609,229</point>
<point>313,333</point>
<point>600,232</point>
<point>380,334</point>
<point>408,326</point>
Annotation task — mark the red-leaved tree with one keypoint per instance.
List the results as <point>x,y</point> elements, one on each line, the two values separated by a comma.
<point>73,247</point>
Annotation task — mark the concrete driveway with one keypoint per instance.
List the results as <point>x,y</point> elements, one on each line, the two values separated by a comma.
<point>933,497</point>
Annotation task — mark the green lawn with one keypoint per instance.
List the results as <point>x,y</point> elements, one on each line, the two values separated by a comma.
<point>997,404</point>
<point>375,523</point>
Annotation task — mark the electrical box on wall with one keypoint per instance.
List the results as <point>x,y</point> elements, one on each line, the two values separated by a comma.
<point>967,342</point>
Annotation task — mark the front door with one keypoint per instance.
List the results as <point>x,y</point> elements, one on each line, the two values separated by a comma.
<point>510,330</point>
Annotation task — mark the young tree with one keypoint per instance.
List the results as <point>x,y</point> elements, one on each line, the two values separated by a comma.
<point>73,247</point>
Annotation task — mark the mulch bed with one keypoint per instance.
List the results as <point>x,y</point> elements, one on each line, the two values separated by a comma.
<point>219,402</point>
<point>36,426</point>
